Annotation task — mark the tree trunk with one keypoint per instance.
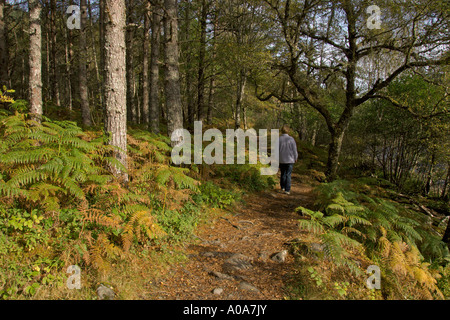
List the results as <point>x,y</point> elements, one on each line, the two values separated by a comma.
<point>145,79</point>
<point>189,80</point>
<point>212,81</point>
<point>115,81</point>
<point>172,75</point>
<point>35,79</point>
<point>201,62</point>
<point>446,237</point>
<point>446,182</point>
<point>333,154</point>
<point>84,94</point>
<point>154,67</point>
<point>3,49</point>
<point>67,61</point>
<point>54,81</point>
<point>131,92</point>
<point>239,98</point>
<point>102,26</point>
<point>430,175</point>
<point>99,90</point>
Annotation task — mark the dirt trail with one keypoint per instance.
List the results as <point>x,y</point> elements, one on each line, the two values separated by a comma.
<point>232,259</point>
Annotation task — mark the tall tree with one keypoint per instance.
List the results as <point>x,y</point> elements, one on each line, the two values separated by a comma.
<point>84,94</point>
<point>187,53</point>
<point>201,79</point>
<point>145,76</point>
<point>35,78</point>
<point>115,81</point>
<point>172,74</point>
<point>212,79</point>
<point>54,74</point>
<point>3,48</point>
<point>131,88</point>
<point>348,41</point>
<point>154,65</point>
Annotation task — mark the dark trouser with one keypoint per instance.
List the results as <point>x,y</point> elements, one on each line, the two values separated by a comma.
<point>285,179</point>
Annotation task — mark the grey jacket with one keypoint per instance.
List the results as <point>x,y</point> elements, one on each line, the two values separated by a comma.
<point>288,149</point>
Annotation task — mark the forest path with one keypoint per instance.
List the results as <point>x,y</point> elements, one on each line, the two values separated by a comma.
<point>233,257</point>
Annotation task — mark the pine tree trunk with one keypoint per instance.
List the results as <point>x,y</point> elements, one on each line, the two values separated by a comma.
<point>212,81</point>
<point>188,70</point>
<point>102,26</point>
<point>94,57</point>
<point>172,75</point>
<point>145,77</point>
<point>3,49</point>
<point>35,78</point>
<point>84,94</point>
<point>201,62</point>
<point>54,83</point>
<point>154,67</point>
<point>131,92</point>
<point>67,61</point>
<point>115,81</point>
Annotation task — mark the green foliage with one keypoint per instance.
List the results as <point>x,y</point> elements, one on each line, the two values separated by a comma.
<point>213,195</point>
<point>180,224</point>
<point>315,276</point>
<point>68,208</point>
<point>48,164</point>
<point>246,176</point>
<point>394,237</point>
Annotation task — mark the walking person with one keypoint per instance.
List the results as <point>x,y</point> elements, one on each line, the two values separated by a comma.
<point>288,156</point>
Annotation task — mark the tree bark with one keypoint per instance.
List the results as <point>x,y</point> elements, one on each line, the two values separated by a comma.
<point>131,92</point>
<point>188,79</point>
<point>446,237</point>
<point>446,182</point>
<point>35,78</point>
<point>239,98</point>
<point>67,61</point>
<point>154,67</point>
<point>115,82</point>
<point>145,76</point>
<point>201,62</point>
<point>334,151</point>
<point>54,84</point>
<point>172,75</point>
<point>99,89</point>
<point>212,80</point>
<point>84,94</point>
<point>3,49</point>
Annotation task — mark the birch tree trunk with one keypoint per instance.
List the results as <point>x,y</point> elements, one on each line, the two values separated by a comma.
<point>115,81</point>
<point>35,79</point>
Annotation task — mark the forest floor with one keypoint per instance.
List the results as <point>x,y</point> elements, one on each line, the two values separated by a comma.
<point>233,258</point>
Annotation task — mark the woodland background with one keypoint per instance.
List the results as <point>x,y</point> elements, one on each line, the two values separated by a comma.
<point>86,116</point>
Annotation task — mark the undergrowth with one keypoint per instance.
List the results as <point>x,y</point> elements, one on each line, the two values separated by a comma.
<point>356,226</point>
<point>60,206</point>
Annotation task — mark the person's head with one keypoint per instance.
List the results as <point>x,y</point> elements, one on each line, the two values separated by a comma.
<point>285,129</point>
